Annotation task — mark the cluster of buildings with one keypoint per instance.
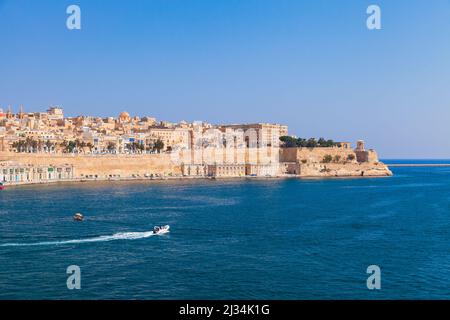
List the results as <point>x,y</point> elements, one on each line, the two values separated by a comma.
<point>16,173</point>
<point>51,132</point>
<point>198,149</point>
<point>41,147</point>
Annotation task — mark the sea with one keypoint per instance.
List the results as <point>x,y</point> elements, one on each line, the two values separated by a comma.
<point>230,239</point>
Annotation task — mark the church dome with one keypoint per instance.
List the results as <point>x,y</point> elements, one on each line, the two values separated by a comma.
<point>124,116</point>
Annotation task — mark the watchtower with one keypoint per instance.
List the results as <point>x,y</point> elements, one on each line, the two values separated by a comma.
<point>360,145</point>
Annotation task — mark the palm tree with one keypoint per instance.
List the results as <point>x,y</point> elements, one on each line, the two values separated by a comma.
<point>34,145</point>
<point>68,146</point>
<point>40,145</point>
<point>90,146</point>
<point>78,144</point>
<point>28,144</point>
<point>82,145</point>
<point>111,147</point>
<point>71,146</point>
<point>139,146</point>
<point>19,146</point>
<point>49,145</point>
<point>64,145</point>
<point>149,146</point>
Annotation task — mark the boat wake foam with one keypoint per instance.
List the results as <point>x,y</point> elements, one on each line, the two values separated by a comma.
<point>117,236</point>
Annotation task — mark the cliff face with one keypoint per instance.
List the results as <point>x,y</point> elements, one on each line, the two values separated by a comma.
<point>333,162</point>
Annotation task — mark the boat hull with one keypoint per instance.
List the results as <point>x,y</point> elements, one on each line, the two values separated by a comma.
<point>163,230</point>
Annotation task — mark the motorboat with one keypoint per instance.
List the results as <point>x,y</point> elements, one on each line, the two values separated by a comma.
<point>78,217</point>
<point>2,186</point>
<point>161,229</point>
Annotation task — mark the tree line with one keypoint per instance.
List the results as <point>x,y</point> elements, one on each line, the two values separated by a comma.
<point>135,146</point>
<point>292,142</point>
<point>30,145</point>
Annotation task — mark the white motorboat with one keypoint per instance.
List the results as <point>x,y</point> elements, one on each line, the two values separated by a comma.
<point>78,217</point>
<point>161,230</point>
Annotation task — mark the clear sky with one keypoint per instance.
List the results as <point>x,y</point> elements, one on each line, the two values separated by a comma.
<point>312,65</point>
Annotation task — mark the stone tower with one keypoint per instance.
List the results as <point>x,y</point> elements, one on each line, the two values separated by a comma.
<point>21,114</point>
<point>360,145</point>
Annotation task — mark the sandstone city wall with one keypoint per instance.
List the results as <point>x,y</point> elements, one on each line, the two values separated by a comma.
<point>310,162</point>
<point>364,169</point>
<point>293,162</point>
<point>314,155</point>
<point>102,166</point>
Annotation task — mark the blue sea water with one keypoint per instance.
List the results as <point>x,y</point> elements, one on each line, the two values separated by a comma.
<point>233,239</point>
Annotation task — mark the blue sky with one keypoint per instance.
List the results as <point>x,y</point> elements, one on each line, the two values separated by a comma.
<point>312,65</point>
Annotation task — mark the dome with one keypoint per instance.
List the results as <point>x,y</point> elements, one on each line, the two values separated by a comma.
<point>124,116</point>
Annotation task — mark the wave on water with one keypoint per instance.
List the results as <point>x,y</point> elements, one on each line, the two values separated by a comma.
<point>116,236</point>
<point>361,187</point>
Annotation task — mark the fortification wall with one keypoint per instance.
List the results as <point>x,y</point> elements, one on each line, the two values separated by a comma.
<point>315,155</point>
<point>102,166</point>
<point>364,169</point>
<point>302,162</point>
<point>230,155</point>
<point>344,163</point>
<point>2,144</point>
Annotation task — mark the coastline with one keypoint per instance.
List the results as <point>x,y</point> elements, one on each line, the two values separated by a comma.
<point>38,169</point>
<point>398,165</point>
<point>99,181</point>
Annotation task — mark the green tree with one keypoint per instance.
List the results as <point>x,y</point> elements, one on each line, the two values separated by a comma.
<point>49,145</point>
<point>291,142</point>
<point>158,146</point>
<point>322,142</point>
<point>327,158</point>
<point>20,146</point>
<point>68,146</point>
<point>311,143</point>
<point>64,145</point>
<point>111,147</point>
<point>90,146</point>
<point>302,143</point>
<point>330,143</point>
<point>288,141</point>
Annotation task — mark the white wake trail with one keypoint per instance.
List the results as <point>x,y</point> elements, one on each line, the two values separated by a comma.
<point>117,236</point>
